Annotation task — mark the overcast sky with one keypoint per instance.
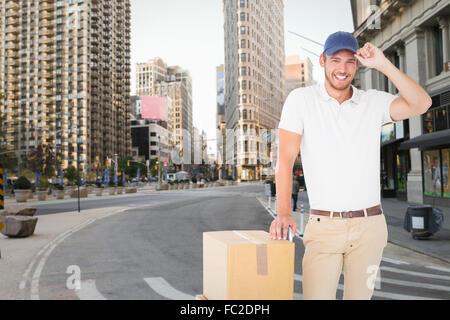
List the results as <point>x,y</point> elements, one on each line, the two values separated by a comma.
<point>190,34</point>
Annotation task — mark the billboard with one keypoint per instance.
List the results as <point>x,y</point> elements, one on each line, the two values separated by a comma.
<point>154,108</point>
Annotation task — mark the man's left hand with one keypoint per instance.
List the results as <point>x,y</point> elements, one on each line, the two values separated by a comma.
<point>371,57</point>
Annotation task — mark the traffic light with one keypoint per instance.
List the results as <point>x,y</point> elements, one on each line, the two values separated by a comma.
<point>156,167</point>
<point>108,163</point>
<point>128,163</point>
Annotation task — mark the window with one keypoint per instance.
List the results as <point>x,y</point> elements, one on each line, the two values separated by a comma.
<point>242,43</point>
<point>242,16</point>
<point>438,51</point>
<point>242,3</point>
<point>437,117</point>
<point>432,173</point>
<point>242,30</point>
<point>445,175</point>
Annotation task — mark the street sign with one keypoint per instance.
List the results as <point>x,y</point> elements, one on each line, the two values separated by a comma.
<point>165,162</point>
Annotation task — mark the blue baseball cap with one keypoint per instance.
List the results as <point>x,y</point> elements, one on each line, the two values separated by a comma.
<point>340,41</point>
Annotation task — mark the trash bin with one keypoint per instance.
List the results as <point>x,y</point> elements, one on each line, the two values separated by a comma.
<point>422,221</point>
<point>273,189</point>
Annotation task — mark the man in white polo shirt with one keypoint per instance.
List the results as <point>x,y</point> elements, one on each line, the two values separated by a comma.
<point>338,129</point>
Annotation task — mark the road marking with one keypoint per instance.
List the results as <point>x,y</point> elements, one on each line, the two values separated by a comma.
<point>163,288</point>
<point>37,273</point>
<point>382,294</point>
<point>415,284</point>
<point>394,261</point>
<point>414,273</point>
<point>45,252</point>
<point>439,268</point>
<point>88,291</point>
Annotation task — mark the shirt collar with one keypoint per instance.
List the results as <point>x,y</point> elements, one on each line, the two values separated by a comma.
<point>356,96</point>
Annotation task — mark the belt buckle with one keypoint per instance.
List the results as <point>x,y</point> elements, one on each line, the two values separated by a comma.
<point>347,214</point>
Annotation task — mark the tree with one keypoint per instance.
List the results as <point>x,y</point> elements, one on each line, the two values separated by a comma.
<point>8,159</point>
<point>42,159</point>
<point>71,174</point>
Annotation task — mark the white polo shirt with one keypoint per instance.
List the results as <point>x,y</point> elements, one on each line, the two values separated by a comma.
<point>340,145</point>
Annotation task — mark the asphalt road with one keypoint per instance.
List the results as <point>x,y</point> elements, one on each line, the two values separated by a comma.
<point>154,250</point>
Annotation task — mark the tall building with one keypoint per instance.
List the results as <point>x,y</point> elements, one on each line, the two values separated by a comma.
<point>299,73</point>
<point>414,35</point>
<point>64,69</point>
<point>156,79</point>
<point>254,80</point>
<point>221,123</point>
<point>147,74</point>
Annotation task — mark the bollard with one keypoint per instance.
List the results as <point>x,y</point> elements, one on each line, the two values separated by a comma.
<point>269,205</point>
<point>302,215</point>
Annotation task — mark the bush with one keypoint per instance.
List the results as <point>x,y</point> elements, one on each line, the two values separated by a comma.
<point>120,184</point>
<point>58,186</point>
<point>170,182</point>
<point>98,184</point>
<point>194,180</point>
<point>22,184</point>
<point>43,183</point>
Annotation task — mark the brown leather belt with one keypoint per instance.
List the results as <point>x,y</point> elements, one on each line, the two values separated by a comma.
<point>373,211</point>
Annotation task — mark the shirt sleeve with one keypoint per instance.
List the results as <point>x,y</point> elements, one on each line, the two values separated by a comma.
<point>385,100</point>
<point>292,114</point>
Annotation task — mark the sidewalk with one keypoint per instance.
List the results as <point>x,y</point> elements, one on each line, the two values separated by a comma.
<point>11,200</point>
<point>18,254</point>
<point>437,246</point>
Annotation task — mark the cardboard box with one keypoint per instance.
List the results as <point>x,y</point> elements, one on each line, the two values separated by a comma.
<point>247,265</point>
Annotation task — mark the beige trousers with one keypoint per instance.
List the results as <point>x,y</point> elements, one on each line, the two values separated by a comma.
<point>356,244</point>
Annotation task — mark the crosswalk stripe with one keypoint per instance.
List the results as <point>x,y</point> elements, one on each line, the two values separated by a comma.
<point>439,268</point>
<point>414,273</point>
<point>380,294</point>
<point>415,284</point>
<point>88,291</point>
<point>163,288</point>
<point>394,261</point>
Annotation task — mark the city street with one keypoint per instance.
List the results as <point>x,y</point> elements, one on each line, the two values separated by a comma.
<point>153,250</point>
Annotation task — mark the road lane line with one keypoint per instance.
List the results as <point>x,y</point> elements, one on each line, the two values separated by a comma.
<point>88,291</point>
<point>163,288</point>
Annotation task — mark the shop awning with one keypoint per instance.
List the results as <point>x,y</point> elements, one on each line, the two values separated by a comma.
<point>427,140</point>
